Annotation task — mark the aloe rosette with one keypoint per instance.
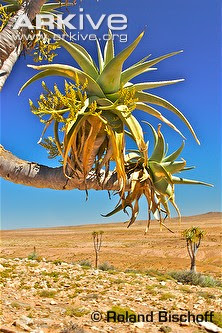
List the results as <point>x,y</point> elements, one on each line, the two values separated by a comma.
<point>155,179</point>
<point>94,115</point>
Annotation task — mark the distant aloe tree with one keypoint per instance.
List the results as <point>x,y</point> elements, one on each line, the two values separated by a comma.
<point>97,241</point>
<point>193,237</point>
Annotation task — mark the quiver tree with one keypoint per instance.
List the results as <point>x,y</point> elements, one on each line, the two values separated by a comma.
<point>193,237</point>
<point>97,242</point>
<point>92,122</point>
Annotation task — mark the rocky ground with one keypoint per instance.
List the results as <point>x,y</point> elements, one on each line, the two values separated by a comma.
<point>60,297</point>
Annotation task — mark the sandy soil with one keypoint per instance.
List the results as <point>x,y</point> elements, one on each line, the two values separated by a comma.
<point>122,247</point>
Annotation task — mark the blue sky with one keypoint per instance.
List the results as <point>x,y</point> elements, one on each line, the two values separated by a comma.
<point>171,25</point>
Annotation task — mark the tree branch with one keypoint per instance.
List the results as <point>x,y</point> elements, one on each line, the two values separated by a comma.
<point>32,174</point>
<point>188,249</point>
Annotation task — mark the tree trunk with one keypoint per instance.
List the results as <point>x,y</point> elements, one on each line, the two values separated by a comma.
<point>96,261</point>
<point>11,40</point>
<point>193,265</point>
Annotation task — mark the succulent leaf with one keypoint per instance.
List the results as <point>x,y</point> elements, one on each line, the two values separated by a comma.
<point>100,57</point>
<point>109,49</point>
<point>172,157</point>
<point>152,99</point>
<point>179,180</point>
<point>151,85</point>
<point>93,89</point>
<point>109,79</point>
<point>159,148</point>
<point>78,53</point>
<point>159,172</point>
<point>128,74</point>
<point>114,211</point>
<point>174,167</point>
<point>136,130</point>
<point>54,5</point>
<point>153,112</point>
<point>138,69</point>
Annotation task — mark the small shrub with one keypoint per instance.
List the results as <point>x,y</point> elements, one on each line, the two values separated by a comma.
<point>152,292</point>
<point>75,293</point>
<point>47,293</point>
<point>119,281</point>
<point>32,264</point>
<point>49,284</point>
<point>158,275</point>
<point>6,273</point>
<point>57,262</point>
<point>153,273</point>
<point>37,285</point>
<point>38,259</point>
<point>85,263</point>
<point>122,311</point>
<point>185,289</point>
<point>76,312</point>
<point>206,295</point>
<point>24,286</point>
<point>90,297</point>
<point>173,307</point>
<point>28,308</point>
<point>159,286</point>
<point>15,305</point>
<point>151,287</point>
<point>197,279</point>
<point>132,271</point>
<point>72,328</point>
<point>217,319</point>
<point>166,296</point>
<point>30,315</point>
<point>6,264</point>
<point>53,274</point>
<point>76,284</point>
<point>106,267</point>
<point>137,281</point>
<point>113,272</point>
<point>165,329</point>
<point>66,275</point>
<point>34,256</point>
<point>164,277</point>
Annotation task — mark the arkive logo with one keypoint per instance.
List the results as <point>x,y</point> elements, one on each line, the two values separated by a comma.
<point>73,21</point>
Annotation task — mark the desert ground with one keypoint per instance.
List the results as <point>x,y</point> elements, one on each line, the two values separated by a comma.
<point>57,293</point>
<point>123,247</point>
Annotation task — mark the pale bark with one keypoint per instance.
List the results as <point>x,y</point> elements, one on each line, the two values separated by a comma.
<point>193,265</point>
<point>192,251</point>
<point>33,174</point>
<point>11,40</point>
